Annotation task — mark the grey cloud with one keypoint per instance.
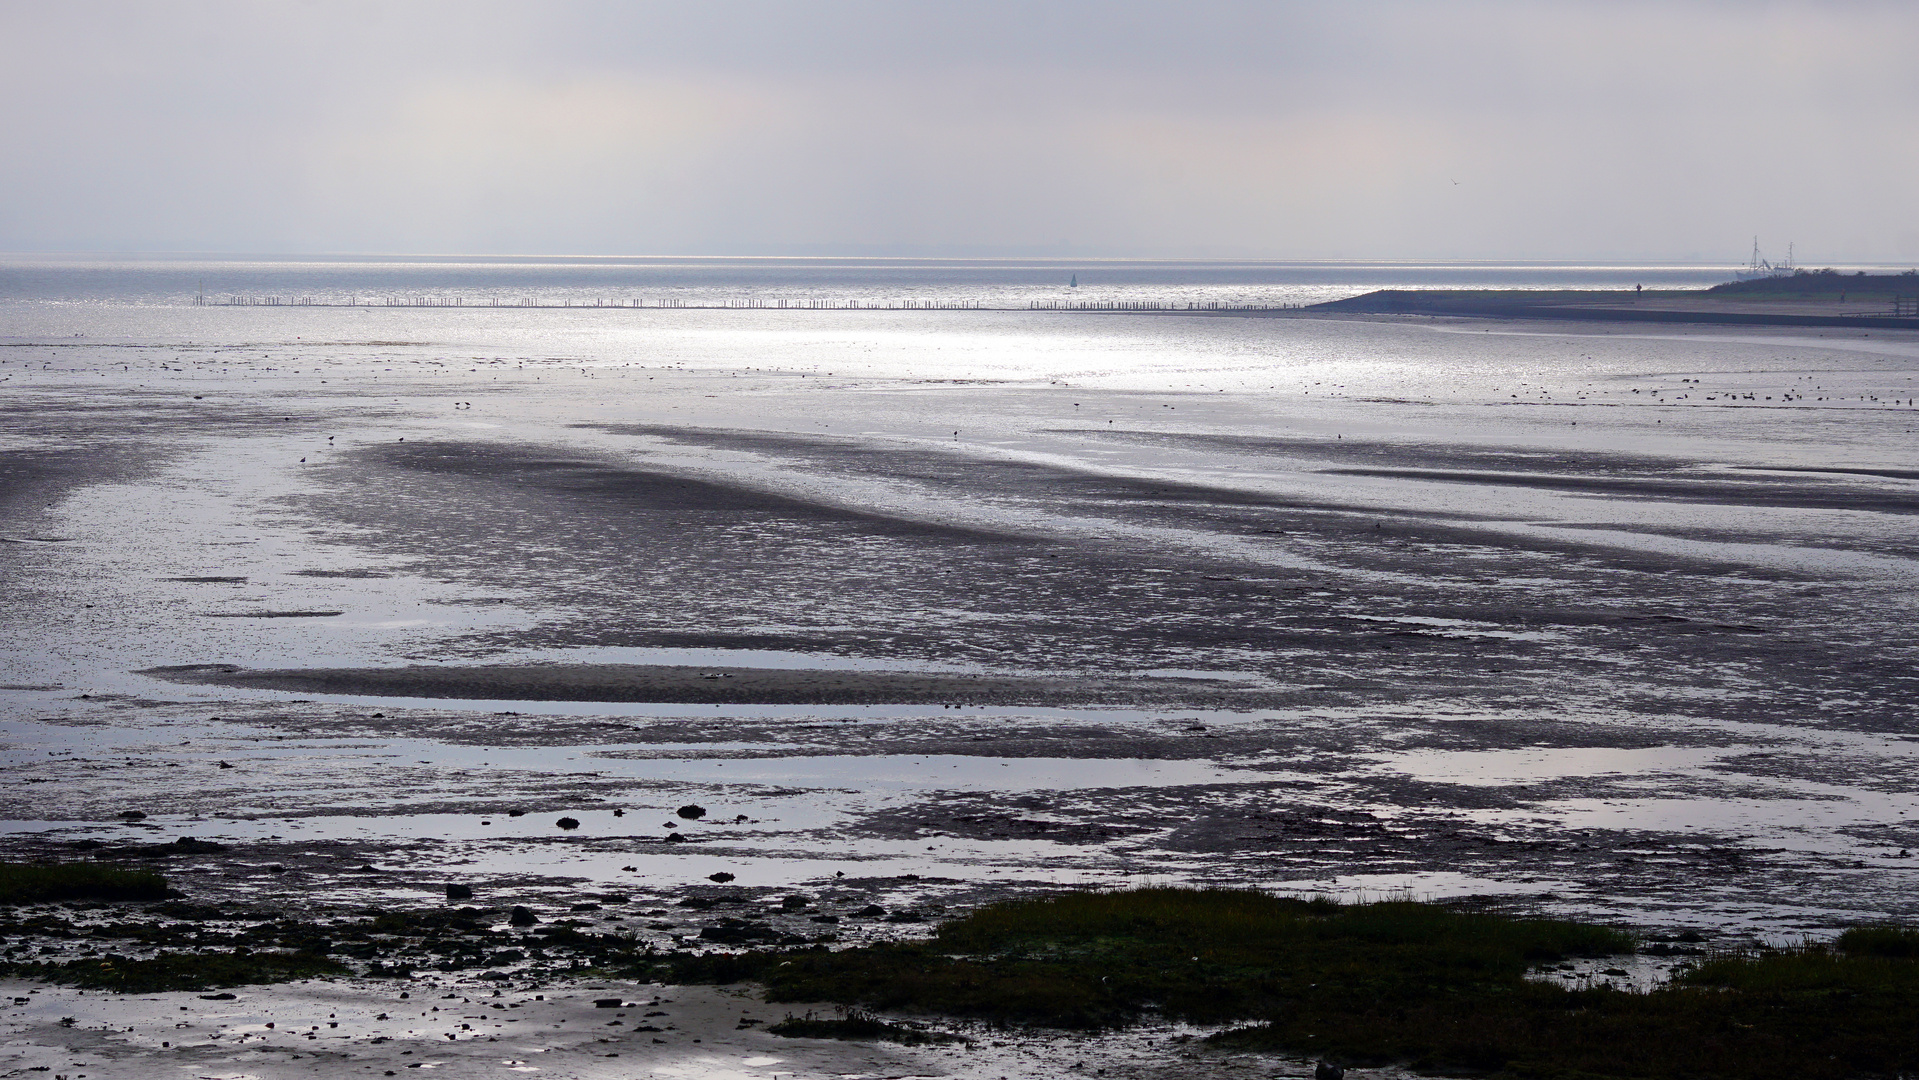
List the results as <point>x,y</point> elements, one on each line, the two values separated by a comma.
<point>1382,130</point>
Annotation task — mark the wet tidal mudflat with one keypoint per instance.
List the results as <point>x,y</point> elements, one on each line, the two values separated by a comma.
<point>898,613</point>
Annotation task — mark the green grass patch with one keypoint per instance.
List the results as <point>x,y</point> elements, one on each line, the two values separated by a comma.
<point>1896,942</point>
<point>1433,987</point>
<point>39,883</point>
<point>1095,960</point>
<point>178,971</point>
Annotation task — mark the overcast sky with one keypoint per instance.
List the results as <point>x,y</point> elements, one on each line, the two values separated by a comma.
<point>1339,130</point>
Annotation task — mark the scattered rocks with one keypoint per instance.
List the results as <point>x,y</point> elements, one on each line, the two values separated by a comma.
<point>741,932</point>
<point>185,845</point>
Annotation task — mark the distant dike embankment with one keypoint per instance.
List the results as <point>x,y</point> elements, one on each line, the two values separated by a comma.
<point>1822,298</point>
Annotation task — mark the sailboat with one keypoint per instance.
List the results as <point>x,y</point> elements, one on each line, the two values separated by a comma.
<point>1760,268</point>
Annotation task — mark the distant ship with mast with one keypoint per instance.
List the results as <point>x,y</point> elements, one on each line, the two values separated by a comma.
<point>1760,268</point>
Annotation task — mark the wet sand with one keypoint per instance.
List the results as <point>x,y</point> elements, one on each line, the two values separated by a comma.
<point>353,1028</point>
<point>1636,662</point>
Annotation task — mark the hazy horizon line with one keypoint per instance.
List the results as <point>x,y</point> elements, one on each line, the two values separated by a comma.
<point>886,255</point>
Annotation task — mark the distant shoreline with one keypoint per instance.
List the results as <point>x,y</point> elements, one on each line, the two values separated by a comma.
<point>1881,301</point>
<point>1824,299</point>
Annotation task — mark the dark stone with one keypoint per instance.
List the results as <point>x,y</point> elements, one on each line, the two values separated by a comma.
<point>459,892</point>
<point>568,823</point>
<point>186,845</point>
<point>607,1003</point>
<point>871,910</point>
<point>794,902</point>
<point>691,812</point>
<point>722,877</point>
<point>740,932</point>
<point>521,916</point>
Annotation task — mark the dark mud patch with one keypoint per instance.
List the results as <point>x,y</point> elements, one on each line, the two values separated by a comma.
<point>671,499</point>
<point>1001,817</point>
<point>736,686</point>
<point>861,1027</point>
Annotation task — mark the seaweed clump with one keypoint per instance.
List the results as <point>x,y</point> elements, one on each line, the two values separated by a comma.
<point>1095,960</point>
<point>1433,987</point>
<point>42,883</point>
